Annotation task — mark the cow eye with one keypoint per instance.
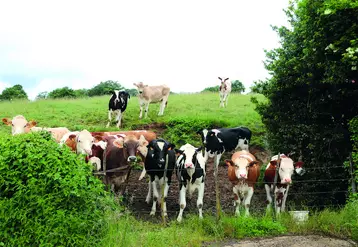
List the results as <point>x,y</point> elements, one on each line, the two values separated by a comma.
<point>79,140</point>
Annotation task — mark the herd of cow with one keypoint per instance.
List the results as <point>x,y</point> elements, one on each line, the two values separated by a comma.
<point>113,153</point>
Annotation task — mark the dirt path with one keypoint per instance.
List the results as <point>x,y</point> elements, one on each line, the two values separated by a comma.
<point>287,241</point>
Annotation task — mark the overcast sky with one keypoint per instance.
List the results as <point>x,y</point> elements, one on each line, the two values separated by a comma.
<point>185,44</point>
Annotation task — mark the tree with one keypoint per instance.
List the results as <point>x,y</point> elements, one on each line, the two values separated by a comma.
<point>211,89</point>
<point>105,88</point>
<point>64,92</point>
<point>313,93</point>
<point>80,93</point>
<point>237,87</point>
<point>132,92</point>
<point>42,95</point>
<point>15,92</point>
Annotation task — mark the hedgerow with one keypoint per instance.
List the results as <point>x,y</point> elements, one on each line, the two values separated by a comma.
<point>48,195</point>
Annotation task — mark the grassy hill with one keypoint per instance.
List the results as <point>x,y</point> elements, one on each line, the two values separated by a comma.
<point>184,115</point>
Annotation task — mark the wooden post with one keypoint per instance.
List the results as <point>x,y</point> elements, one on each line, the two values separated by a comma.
<point>275,182</point>
<point>354,187</point>
<point>163,189</point>
<point>217,192</point>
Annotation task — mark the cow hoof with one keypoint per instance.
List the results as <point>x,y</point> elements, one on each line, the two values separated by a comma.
<point>152,213</point>
<point>147,201</point>
<point>179,219</point>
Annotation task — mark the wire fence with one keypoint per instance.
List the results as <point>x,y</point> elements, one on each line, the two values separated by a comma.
<point>136,194</point>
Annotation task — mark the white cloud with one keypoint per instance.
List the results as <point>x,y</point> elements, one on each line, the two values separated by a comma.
<point>184,44</point>
<point>3,85</point>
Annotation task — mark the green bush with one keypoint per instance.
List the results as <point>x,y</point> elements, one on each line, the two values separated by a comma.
<point>48,195</point>
<point>353,128</point>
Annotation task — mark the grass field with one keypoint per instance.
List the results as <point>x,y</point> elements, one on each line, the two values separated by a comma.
<point>184,115</point>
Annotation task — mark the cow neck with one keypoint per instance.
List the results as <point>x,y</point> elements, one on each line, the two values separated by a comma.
<point>279,184</point>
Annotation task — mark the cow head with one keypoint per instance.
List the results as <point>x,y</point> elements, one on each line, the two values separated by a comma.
<point>120,96</point>
<point>241,166</point>
<point>222,82</point>
<point>287,168</point>
<point>84,142</point>
<point>212,140</point>
<point>140,87</point>
<point>187,156</point>
<point>97,154</point>
<point>158,150</point>
<point>131,145</point>
<point>19,124</point>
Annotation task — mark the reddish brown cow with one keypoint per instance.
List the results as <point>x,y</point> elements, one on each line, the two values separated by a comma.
<point>243,173</point>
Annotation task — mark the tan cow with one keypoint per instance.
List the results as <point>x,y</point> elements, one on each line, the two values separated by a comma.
<point>152,94</point>
<point>20,125</point>
<point>243,173</point>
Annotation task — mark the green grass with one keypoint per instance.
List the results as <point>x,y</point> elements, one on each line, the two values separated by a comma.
<point>184,115</point>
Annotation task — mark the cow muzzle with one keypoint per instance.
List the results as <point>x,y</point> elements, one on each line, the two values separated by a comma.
<point>132,159</point>
<point>189,165</point>
<point>286,181</point>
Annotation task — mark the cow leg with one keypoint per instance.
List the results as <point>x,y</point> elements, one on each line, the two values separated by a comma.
<point>216,163</point>
<point>268,196</point>
<point>199,202</point>
<point>248,198</point>
<point>141,104</point>
<point>146,110</point>
<point>155,197</point>
<point>109,118</point>
<point>284,199</point>
<point>237,201</point>
<point>221,100</point>
<point>147,200</point>
<point>227,98</point>
<point>182,202</point>
<point>142,174</point>
<point>166,189</point>
<point>119,118</point>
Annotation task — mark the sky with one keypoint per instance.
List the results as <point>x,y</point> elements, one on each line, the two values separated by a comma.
<point>184,44</point>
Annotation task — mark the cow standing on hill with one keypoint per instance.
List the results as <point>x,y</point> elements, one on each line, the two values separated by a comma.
<point>283,180</point>
<point>159,164</point>
<point>243,173</point>
<point>224,91</point>
<point>190,167</point>
<point>117,105</point>
<point>152,94</point>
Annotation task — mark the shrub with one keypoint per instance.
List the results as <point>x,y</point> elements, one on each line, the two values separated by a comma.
<point>48,195</point>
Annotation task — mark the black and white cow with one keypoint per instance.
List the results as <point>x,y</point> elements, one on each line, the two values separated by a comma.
<point>117,104</point>
<point>218,141</point>
<point>190,168</point>
<point>159,153</point>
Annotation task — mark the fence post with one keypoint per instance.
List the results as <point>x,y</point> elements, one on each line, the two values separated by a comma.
<point>354,187</point>
<point>278,162</point>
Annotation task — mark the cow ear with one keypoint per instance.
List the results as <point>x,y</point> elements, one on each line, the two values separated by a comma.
<point>229,162</point>
<point>143,141</point>
<point>118,142</point>
<point>273,162</point>
<point>299,164</point>
<point>171,146</point>
<point>7,121</point>
<point>98,138</point>
<point>253,163</point>
<point>129,96</point>
<point>31,124</point>
<point>220,78</point>
<point>226,79</point>
<point>72,137</point>
<point>178,151</point>
<point>199,149</point>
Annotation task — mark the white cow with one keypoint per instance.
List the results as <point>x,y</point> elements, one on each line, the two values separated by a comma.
<point>224,91</point>
<point>152,94</point>
<point>190,167</point>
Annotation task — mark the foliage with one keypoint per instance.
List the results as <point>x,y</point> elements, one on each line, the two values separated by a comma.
<point>42,95</point>
<point>15,92</point>
<point>80,93</point>
<point>313,94</point>
<point>132,92</point>
<point>104,88</point>
<point>237,87</point>
<point>211,89</point>
<point>353,127</point>
<point>64,92</point>
<point>341,223</point>
<point>48,195</point>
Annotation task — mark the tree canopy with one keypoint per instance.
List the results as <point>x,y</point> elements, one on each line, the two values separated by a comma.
<point>15,92</point>
<point>105,88</point>
<point>313,92</point>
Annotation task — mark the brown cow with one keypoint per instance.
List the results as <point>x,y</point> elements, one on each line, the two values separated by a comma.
<point>243,172</point>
